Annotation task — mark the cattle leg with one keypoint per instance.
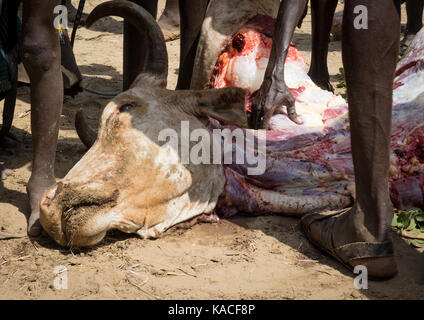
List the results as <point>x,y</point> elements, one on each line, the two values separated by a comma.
<point>169,21</point>
<point>136,46</point>
<point>40,52</point>
<point>322,19</point>
<point>192,14</point>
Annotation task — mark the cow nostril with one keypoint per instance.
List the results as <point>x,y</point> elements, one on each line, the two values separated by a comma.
<point>126,107</point>
<point>51,194</point>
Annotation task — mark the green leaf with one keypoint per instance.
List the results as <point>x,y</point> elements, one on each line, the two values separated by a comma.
<point>419,218</point>
<point>412,225</point>
<point>394,221</point>
<point>404,219</point>
<point>341,84</point>
<point>417,243</point>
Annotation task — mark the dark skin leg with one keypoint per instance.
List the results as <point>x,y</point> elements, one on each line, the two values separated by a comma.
<point>274,92</point>
<point>369,58</point>
<point>192,14</point>
<point>169,21</point>
<point>414,11</point>
<point>135,46</point>
<point>322,18</point>
<point>40,52</point>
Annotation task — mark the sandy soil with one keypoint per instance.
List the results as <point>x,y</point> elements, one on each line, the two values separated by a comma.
<point>242,258</point>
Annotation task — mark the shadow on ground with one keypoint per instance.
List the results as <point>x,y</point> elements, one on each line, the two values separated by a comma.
<point>408,284</point>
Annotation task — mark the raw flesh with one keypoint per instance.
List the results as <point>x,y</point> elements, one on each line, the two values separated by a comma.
<point>309,167</point>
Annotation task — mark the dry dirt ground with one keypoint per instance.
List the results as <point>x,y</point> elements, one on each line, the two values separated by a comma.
<point>242,258</point>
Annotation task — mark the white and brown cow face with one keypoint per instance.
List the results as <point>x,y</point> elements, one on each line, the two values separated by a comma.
<point>129,179</point>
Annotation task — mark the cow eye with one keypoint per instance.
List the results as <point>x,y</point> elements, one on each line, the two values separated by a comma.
<point>126,107</point>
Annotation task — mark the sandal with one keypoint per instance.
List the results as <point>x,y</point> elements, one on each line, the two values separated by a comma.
<point>378,257</point>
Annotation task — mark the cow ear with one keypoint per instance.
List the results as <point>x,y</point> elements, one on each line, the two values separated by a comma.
<point>147,80</point>
<point>226,105</point>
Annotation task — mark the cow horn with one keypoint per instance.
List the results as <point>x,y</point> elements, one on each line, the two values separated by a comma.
<point>143,22</point>
<point>85,133</point>
<point>140,19</point>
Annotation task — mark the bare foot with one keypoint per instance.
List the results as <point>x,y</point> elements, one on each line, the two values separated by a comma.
<point>345,237</point>
<point>4,173</point>
<point>321,81</point>
<point>406,41</point>
<point>169,22</point>
<point>35,190</point>
<point>355,230</point>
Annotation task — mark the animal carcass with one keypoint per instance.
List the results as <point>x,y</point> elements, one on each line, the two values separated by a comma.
<point>309,167</point>
<point>132,178</point>
<point>135,182</point>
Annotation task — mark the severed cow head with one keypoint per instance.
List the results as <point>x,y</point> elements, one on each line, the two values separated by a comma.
<point>130,179</point>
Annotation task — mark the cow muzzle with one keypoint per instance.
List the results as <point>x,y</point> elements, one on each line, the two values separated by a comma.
<point>77,216</point>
